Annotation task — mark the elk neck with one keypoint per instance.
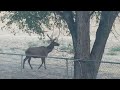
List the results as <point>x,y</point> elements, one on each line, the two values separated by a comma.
<point>50,47</point>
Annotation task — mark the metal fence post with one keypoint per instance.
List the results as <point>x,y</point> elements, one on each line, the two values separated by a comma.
<point>21,62</point>
<point>67,67</point>
<point>71,72</point>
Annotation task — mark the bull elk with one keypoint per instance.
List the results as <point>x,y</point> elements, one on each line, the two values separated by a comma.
<point>39,52</point>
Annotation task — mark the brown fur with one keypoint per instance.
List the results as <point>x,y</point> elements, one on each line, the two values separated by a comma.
<point>39,52</point>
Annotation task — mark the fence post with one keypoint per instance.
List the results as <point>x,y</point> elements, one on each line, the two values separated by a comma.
<point>67,67</point>
<point>21,62</point>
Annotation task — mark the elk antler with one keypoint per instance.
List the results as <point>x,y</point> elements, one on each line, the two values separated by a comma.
<point>49,37</point>
<point>56,38</point>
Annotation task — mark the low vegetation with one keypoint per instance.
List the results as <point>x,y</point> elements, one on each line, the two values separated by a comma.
<point>114,49</point>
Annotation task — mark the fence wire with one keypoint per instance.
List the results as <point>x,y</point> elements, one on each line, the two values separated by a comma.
<point>57,68</point>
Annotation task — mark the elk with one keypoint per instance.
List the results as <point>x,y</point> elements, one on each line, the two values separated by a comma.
<point>39,52</point>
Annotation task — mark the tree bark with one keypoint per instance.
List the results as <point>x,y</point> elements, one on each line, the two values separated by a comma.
<point>79,30</point>
<point>69,18</point>
<point>82,50</point>
<point>89,69</point>
<point>103,31</point>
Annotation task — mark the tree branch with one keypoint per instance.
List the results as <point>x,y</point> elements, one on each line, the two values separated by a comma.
<point>66,15</point>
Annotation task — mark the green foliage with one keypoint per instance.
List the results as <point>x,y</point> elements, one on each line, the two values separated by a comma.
<point>68,48</point>
<point>115,49</point>
<point>30,19</point>
<point>33,20</point>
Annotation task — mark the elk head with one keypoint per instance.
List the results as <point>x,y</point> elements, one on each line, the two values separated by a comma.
<point>53,41</point>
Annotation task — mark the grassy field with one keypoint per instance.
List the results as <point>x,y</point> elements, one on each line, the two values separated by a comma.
<point>10,66</point>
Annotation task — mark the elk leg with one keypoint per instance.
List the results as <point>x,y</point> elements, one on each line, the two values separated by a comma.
<point>41,64</point>
<point>24,61</point>
<point>29,62</point>
<point>44,63</point>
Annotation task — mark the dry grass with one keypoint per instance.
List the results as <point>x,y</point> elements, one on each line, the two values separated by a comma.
<point>10,67</point>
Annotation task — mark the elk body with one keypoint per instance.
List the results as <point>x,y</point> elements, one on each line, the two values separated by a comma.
<point>39,52</point>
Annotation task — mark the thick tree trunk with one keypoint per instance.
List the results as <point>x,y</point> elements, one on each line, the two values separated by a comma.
<point>83,40</point>
<point>89,70</point>
<point>105,26</point>
<point>69,18</point>
<point>72,28</point>
<point>79,30</point>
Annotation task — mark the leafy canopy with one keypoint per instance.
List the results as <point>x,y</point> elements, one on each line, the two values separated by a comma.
<point>35,20</point>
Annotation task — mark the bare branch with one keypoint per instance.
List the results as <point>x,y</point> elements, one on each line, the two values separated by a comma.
<point>56,38</point>
<point>117,33</point>
<point>115,36</point>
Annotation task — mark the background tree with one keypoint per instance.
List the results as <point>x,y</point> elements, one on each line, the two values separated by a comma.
<point>78,23</point>
<point>90,69</point>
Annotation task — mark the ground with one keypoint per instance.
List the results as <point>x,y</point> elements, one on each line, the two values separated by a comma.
<point>10,65</point>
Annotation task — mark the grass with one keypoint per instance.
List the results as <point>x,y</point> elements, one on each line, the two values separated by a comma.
<point>32,44</point>
<point>68,48</point>
<point>14,48</point>
<point>1,50</point>
<point>24,49</point>
<point>111,53</point>
<point>37,43</point>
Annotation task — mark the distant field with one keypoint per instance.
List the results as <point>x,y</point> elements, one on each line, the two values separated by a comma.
<point>10,66</point>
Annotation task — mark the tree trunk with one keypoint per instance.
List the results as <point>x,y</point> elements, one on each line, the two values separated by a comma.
<point>82,46</point>
<point>69,18</point>
<point>103,31</point>
<point>79,30</point>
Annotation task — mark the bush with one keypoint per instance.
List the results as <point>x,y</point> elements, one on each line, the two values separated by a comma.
<point>111,53</point>
<point>67,48</point>
<point>115,49</point>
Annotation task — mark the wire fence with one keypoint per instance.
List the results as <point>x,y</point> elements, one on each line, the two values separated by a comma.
<point>11,66</point>
<point>56,67</point>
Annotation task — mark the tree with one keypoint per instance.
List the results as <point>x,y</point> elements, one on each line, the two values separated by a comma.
<point>89,68</point>
<point>82,43</point>
<point>102,34</point>
<point>78,23</point>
